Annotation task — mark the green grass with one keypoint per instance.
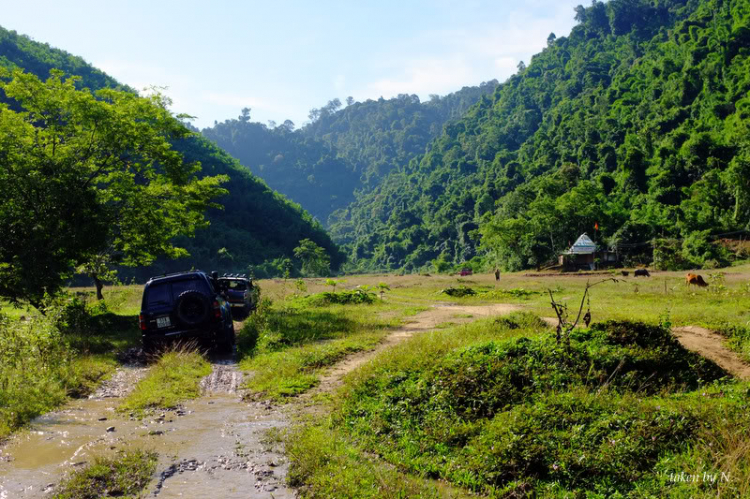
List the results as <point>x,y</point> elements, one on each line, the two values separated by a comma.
<point>326,464</point>
<point>124,475</point>
<point>173,379</point>
<point>287,347</point>
<point>499,408</point>
<point>39,370</point>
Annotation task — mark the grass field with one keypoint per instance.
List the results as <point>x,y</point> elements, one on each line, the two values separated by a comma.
<point>495,407</point>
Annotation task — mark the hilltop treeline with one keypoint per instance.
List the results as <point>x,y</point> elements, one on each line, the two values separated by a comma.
<point>343,149</point>
<point>637,122</point>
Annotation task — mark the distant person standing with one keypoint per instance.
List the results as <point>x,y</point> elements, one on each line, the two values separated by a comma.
<point>497,274</point>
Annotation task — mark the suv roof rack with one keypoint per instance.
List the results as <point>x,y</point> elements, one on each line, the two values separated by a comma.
<point>171,274</point>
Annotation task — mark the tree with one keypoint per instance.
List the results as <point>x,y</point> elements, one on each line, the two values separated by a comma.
<point>349,100</point>
<point>88,179</point>
<point>315,260</point>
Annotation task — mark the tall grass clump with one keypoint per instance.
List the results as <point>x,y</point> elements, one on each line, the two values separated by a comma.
<point>174,378</point>
<point>123,475</point>
<point>40,368</point>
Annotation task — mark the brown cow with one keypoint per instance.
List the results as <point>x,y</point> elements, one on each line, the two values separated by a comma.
<point>695,279</point>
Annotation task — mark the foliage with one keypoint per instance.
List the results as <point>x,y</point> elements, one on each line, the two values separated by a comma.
<point>315,261</point>
<point>636,123</point>
<point>125,474</point>
<point>39,368</point>
<point>257,225</point>
<point>86,173</point>
<point>459,292</point>
<point>351,297</point>
<point>493,416</point>
<point>323,164</point>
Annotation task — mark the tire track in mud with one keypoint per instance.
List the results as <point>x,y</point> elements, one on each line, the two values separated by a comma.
<point>225,451</point>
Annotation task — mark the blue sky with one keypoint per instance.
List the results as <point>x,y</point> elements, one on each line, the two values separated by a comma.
<point>283,58</point>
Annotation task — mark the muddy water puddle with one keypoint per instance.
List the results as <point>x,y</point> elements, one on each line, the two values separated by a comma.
<point>215,446</point>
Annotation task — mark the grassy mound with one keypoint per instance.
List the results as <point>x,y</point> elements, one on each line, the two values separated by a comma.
<point>126,474</point>
<point>174,378</point>
<point>502,414</point>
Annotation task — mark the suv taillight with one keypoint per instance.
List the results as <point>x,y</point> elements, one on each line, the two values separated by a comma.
<point>142,321</point>
<point>217,309</point>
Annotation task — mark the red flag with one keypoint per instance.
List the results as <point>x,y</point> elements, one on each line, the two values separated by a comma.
<point>596,225</point>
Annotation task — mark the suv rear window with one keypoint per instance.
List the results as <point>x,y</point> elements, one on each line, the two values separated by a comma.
<point>166,293</point>
<point>237,285</point>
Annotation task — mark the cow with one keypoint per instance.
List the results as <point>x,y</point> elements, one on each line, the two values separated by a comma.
<point>624,273</point>
<point>695,279</point>
<point>641,273</point>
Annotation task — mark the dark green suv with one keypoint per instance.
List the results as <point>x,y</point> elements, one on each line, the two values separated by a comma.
<point>186,305</point>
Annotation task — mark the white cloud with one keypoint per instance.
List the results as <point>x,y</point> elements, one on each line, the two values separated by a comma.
<point>423,77</point>
<point>453,58</point>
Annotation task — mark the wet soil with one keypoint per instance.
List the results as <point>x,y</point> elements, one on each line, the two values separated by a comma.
<point>215,446</point>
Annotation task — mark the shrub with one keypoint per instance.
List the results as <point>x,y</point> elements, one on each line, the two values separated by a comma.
<point>459,292</point>
<point>353,297</point>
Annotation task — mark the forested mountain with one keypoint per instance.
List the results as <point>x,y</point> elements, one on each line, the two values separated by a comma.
<point>257,225</point>
<point>342,150</point>
<point>636,123</point>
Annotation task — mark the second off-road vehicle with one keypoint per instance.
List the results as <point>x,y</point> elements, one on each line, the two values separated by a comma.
<point>243,295</point>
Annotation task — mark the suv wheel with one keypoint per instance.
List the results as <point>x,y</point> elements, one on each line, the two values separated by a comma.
<point>192,308</point>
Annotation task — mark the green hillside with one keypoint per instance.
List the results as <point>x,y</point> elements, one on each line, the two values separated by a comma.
<point>257,225</point>
<point>343,150</point>
<point>637,122</point>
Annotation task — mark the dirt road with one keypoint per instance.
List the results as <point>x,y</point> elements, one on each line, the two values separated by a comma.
<point>215,446</point>
<point>711,345</point>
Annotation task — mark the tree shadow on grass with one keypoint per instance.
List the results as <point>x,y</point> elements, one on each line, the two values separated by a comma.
<point>280,329</point>
<point>106,333</point>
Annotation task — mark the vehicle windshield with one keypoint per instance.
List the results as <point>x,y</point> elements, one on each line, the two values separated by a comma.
<point>237,286</point>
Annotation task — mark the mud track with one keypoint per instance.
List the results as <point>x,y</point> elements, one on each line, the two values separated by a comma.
<point>215,446</point>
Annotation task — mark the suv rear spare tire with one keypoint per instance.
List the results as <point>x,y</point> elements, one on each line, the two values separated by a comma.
<point>192,308</point>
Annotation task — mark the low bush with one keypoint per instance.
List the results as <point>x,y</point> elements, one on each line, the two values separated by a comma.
<point>514,293</point>
<point>351,297</point>
<point>738,339</point>
<point>459,292</point>
<point>39,369</point>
